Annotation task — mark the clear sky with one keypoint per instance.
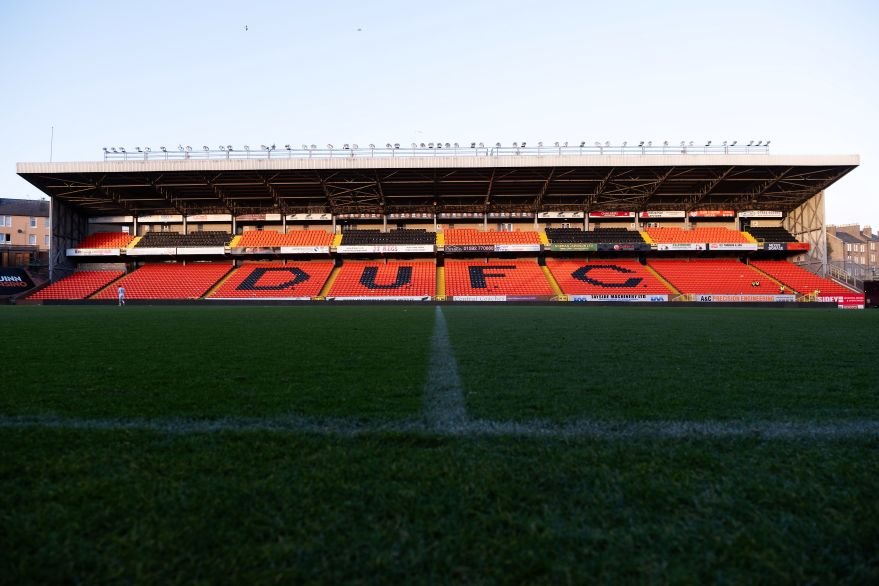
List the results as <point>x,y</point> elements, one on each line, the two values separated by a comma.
<point>803,74</point>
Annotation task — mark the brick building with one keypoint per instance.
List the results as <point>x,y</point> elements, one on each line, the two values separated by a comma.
<point>24,232</point>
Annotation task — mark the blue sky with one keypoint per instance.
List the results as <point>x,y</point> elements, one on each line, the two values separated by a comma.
<point>803,74</point>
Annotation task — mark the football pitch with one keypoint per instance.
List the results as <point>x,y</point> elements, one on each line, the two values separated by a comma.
<point>545,444</point>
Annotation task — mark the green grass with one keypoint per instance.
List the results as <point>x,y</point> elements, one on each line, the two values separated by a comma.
<point>107,361</point>
<point>97,505</point>
<point>624,363</point>
<point>256,508</point>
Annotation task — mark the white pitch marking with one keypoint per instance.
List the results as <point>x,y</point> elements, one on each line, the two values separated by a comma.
<point>445,410</point>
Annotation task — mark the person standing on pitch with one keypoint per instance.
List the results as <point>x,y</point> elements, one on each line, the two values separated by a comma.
<point>121,293</point>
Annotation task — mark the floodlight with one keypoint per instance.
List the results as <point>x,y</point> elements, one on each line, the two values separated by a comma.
<point>497,144</point>
<point>105,149</point>
<point>665,143</point>
<point>312,147</point>
<point>388,146</point>
<point>422,145</point>
<point>724,143</point>
<point>767,143</point>
<point>759,143</point>
<point>372,146</point>
<point>229,147</point>
<point>640,144</point>
<point>625,143</point>
<point>164,150</point>
<point>607,143</point>
<point>482,145</point>
<point>414,145</point>
<point>273,146</point>
<point>751,143</point>
<point>598,144</point>
<point>148,149</point>
<point>397,145</point>
<point>188,149</point>
<point>138,149</point>
<point>650,143</point>
<point>456,144</point>
<point>247,148</point>
<point>734,143</point>
<point>472,145</point>
<point>329,146</point>
<point>205,147</point>
<point>540,143</point>
<point>582,143</point>
<point>354,146</point>
<point>556,143</point>
<point>305,147</point>
<point>114,149</point>
<point>683,143</point>
<point>180,147</point>
<point>515,144</point>
<point>122,149</point>
<point>345,146</point>
<point>708,143</point>
<point>287,146</point>
<point>566,143</point>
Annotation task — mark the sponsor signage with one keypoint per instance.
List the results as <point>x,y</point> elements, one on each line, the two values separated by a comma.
<point>622,298</point>
<point>209,218</point>
<point>844,301</point>
<point>201,250</point>
<point>681,246</point>
<point>357,249</point>
<point>259,299</point>
<point>252,250</point>
<point>305,250</point>
<point>410,215</point>
<point>574,246</point>
<point>622,246</point>
<point>713,298</point>
<point>459,215</point>
<point>732,246</point>
<point>797,245</point>
<point>713,214</point>
<point>14,281</point>
<point>774,246</point>
<point>760,214</point>
<point>359,216</point>
<point>382,298</point>
<point>510,215</point>
<point>310,217</point>
<point>161,219</point>
<point>469,248</point>
<point>111,220</point>
<point>560,215</point>
<point>662,214</point>
<point>93,252</point>
<point>611,214</point>
<point>479,298</point>
<point>258,218</point>
<point>151,251</point>
<point>517,247</point>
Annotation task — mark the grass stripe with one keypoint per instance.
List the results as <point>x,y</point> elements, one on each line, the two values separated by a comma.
<point>472,428</point>
<point>444,407</point>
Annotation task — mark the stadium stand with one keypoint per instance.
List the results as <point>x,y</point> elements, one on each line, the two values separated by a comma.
<point>576,235</point>
<point>79,285</point>
<point>268,280</point>
<point>718,235</point>
<point>495,277</point>
<point>801,280</point>
<point>723,276</point>
<point>771,235</point>
<point>392,237</point>
<point>472,237</point>
<point>175,240</point>
<point>394,278</point>
<point>605,277</point>
<point>273,239</point>
<point>106,240</point>
<point>169,281</point>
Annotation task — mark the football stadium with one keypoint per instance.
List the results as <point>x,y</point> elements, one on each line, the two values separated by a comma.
<point>452,363</point>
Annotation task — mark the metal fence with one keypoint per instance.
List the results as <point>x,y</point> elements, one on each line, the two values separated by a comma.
<point>431,149</point>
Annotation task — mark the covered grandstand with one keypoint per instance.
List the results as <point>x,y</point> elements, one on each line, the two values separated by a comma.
<point>443,222</point>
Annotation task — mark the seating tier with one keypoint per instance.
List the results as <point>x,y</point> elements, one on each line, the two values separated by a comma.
<point>469,236</point>
<point>576,235</point>
<point>175,240</point>
<point>394,278</point>
<point>272,239</point>
<point>713,277</point>
<point>718,235</point>
<point>392,237</point>
<point>106,240</point>
<point>801,280</point>
<point>79,285</point>
<point>169,281</point>
<point>603,277</point>
<point>495,277</point>
<point>266,280</point>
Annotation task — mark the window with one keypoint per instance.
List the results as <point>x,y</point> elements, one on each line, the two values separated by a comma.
<point>46,222</point>
<point>32,239</point>
<point>6,221</point>
<point>46,241</point>
<point>4,238</point>
<point>33,222</point>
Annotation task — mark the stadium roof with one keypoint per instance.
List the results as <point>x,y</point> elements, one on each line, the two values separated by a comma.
<point>437,182</point>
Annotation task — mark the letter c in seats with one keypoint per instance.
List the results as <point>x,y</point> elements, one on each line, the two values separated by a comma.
<point>580,275</point>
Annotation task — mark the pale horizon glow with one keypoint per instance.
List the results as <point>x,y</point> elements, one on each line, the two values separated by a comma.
<point>96,74</point>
